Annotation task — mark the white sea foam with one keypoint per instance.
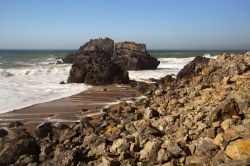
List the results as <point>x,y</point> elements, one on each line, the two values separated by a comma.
<point>209,56</point>
<point>27,86</point>
<point>168,66</point>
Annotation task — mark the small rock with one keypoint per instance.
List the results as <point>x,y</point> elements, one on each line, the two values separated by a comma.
<point>211,132</point>
<point>225,80</point>
<point>43,130</point>
<point>188,123</point>
<point>150,113</point>
<point>173,102</point>
<point>98,150</point>
<point>232,108</point>
<point>226,124</point>
<point>173,148</point>
<point>215,116</point>
<point>119,146</point>
<point>104,89</point>
<point>216,124</point>
<point>130,128</point>
<point>3,133</point>
<point>163,156</point>
<point>158,92</point>
<point>150,151</point>
<point>218,139</point>
<point>62,82</point>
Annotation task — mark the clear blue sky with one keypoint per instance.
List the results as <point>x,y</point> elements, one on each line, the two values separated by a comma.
<point>161,24</point>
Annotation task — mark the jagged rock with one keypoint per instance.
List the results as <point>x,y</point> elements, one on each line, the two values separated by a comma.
<point>97,72</point>
<point>150,151</point>
<point>163,156</point>
<point>173,148</point>
<point>63,156</point>
<point>68,134</point>
<point>192,68</point>
<point>119,146</point>
<point>150,113</point>
<point>97,151</point>
<point>133,56</point>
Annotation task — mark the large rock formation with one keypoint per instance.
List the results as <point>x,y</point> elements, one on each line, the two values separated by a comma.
<point>98,62</point>
<point>128,55</point>
<point>134,56</point>
<point>97,72</point>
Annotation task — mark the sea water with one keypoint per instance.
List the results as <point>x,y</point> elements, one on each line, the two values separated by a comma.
<point>32,77</point>
<point>29,77</point>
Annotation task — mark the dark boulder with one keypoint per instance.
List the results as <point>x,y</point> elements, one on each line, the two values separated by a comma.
<point>95,48</point>
<point>192,68</point>
<point>97,72</point>
<point>43,130</point>
<point>133,56</point>
<point>3,133</point>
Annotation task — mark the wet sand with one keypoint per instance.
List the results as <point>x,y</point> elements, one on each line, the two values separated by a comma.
<point>70,109</point>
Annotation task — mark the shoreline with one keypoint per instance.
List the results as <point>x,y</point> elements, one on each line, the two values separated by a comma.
<point>69,109</point>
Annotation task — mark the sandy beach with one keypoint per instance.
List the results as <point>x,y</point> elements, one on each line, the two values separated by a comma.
<point>70,109</point>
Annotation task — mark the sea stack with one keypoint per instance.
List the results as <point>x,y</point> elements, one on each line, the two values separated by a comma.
<point>101,62</point>
<point>93,65</point>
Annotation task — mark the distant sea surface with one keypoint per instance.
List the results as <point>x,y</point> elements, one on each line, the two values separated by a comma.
<point>29,77</point>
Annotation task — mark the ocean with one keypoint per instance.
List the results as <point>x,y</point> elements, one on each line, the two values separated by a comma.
<point>29,77</point>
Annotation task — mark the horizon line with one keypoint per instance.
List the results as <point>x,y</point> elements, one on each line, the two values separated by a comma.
<point>164,49</point>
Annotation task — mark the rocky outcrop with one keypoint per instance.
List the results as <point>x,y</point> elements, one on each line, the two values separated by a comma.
<point>97,72</point>
<point>190,121</point>
<point>127,55</point>
<point>95,48</point>
<point>98,62</point>
<point>193,68</point>
<point>134,56</point>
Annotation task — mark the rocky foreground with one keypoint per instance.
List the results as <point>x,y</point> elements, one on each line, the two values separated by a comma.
<point>200,118</point>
